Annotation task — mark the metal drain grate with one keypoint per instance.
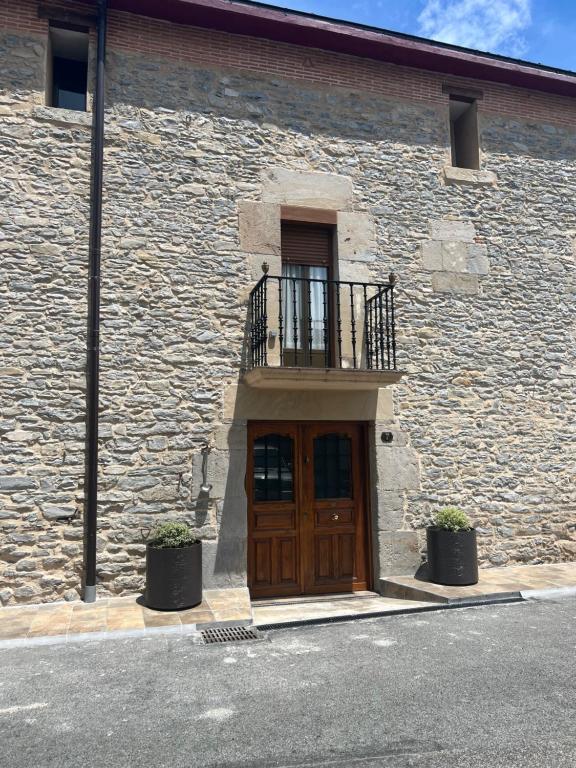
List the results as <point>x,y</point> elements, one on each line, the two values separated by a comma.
<point>230,635</point>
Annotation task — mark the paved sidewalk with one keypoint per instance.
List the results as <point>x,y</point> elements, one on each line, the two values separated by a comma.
<point>121,614</point>
<point>128,615</point>
<point>494,582</point>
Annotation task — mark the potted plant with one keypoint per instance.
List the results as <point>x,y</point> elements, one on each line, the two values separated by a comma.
<point>452,549</point>
<point>173,568</point>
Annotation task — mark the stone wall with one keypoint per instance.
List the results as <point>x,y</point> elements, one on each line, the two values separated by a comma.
<point>43,252</point>
<point>484,306</point>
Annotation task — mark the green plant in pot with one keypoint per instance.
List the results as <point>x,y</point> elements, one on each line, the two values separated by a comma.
<point>452,548</point>
<point>173,568</point>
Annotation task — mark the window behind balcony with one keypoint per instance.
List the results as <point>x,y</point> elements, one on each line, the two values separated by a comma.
<point>306,266</point>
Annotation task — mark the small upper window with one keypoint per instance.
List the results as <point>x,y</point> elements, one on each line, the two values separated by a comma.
<point>68,68</point>
<point>464,133</point>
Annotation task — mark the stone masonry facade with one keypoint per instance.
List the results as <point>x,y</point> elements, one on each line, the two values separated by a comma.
<point>485,416</point>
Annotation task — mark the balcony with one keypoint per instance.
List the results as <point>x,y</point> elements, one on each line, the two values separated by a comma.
<point>311,333</point>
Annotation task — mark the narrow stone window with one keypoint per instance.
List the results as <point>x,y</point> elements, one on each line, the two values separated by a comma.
<point>67,68</point>
<point>464,137</point>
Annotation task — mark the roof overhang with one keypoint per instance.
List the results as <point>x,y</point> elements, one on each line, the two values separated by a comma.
<point>286,26</point>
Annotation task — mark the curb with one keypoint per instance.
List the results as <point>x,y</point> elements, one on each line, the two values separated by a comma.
<point>183,630</point>
<point>82,637</point>
<point>550,592</point>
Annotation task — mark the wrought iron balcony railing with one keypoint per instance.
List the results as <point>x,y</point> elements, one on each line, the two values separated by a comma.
<point>308,322</point>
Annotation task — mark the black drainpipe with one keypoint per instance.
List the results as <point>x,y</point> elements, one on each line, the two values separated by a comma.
<point>93,338</point>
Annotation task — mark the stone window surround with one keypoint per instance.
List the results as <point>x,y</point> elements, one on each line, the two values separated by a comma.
<point>452,175</point>
<point>64,18</point>
<point>71,117</point>
<point>307,196</point>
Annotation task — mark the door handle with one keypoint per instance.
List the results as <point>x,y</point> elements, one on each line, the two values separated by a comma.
<point>335,517</point>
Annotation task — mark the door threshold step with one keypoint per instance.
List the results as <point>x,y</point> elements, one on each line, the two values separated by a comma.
<point>398,608</point>
<point>282,613</point>
<point>302,599</point>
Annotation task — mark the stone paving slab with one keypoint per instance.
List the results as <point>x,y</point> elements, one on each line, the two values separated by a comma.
<point>287,611</point>
<point>493,582</point>
<point>122,614</point>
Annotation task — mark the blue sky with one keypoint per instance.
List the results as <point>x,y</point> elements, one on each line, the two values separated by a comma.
<point>542,31</point>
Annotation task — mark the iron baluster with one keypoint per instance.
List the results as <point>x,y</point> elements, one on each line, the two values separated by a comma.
<point>367,331</point>
<point>387,331</point>
<point>295,321</point>
<point>392,326</point>
<point>280,322</point>
<point>325,324</point>
<point>381,327</point>
<point>375,339</point>
<point>338,324</point>
<point>352,324</point>
<point>265,320</point>
<point>309,310</point>
<point>256,328</point>
<point>259,325</point>
<point>251,328</point>
<point>262,310</point>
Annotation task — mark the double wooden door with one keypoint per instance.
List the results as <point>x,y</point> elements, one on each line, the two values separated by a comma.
<point>306,508</point>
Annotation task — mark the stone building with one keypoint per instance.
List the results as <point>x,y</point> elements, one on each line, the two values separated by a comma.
<point>308,419</point>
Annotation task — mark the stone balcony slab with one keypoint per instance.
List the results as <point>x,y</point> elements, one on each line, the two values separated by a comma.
<point>344,379</point>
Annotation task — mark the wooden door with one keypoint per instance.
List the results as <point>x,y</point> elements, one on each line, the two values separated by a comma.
<point>333,535</point>
<point>306,508</point>
<point>272,481</point>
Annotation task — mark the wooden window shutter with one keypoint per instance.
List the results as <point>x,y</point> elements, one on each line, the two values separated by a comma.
<point>309,244</point>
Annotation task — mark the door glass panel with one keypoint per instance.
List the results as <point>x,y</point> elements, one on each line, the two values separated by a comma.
<point>333,466</point>
<point>273,462</point>
<point>305,309</point>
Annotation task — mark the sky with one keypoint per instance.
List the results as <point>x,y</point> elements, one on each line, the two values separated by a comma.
<point>541,31</point>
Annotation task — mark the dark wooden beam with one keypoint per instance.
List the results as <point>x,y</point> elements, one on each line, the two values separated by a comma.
<point>453,89</point>
<point>313,215</point>
<point>62,16</point>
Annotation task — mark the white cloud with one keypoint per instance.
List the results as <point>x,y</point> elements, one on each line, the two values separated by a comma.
<point>488,25</point>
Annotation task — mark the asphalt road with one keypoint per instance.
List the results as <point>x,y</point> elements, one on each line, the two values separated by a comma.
<point>466,688</point>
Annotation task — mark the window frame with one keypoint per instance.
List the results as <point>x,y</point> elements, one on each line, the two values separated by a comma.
<point>471,152</point>
<point>56,26</point>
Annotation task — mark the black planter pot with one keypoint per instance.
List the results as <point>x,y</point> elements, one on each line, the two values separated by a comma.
<point>174,577</point>
<point>452,557</point>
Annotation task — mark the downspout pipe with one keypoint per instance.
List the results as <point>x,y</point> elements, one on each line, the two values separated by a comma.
<point>93,335</point>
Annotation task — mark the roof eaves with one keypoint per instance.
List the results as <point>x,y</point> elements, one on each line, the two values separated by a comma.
<point>298,28</point>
